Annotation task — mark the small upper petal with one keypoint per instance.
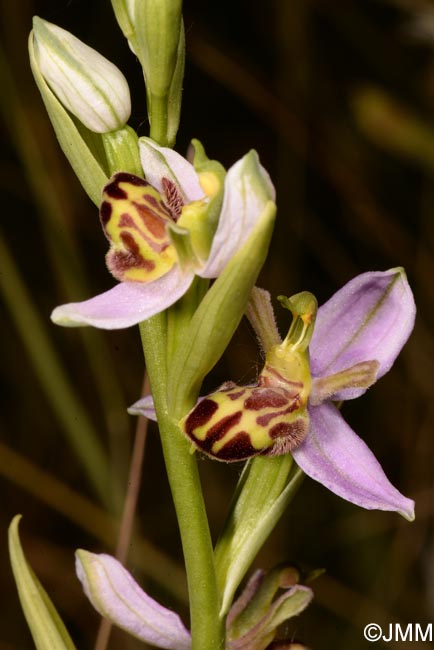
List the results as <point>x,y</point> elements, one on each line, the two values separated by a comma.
<point>247,191</point>
<point>335,456</point>
<point>162,162</point>
<point>126,304</point>
<point>370,318</point>
<point>116,595</point>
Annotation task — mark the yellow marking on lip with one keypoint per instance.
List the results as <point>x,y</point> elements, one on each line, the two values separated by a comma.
<point>135,223</point>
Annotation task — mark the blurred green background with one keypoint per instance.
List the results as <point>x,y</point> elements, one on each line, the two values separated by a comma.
<point>338,99</point>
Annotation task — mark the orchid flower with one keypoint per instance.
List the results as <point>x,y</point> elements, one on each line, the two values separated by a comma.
<point>162,233</point>
<point>267,601</point>
<point>356,338</point>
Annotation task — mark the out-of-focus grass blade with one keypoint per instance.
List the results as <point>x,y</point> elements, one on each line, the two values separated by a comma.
<point>65,255</point>
<point>104,527</point>
<point>54,381</point>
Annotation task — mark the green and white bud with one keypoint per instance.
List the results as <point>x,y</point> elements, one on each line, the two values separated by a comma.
<point>86,83</point>
<point>158,27</point>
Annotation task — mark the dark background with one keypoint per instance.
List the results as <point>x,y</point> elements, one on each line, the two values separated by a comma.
<point>338,99</point>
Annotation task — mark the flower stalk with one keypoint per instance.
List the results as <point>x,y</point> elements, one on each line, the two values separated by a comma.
<point>206,628</point>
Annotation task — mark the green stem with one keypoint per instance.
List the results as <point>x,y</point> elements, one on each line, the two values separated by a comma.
<point>159,120</point>
<point>206,628</point>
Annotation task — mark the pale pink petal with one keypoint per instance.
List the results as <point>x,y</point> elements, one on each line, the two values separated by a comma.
<point>370,318</point>
<point>144,406</point>
<point>116,595</point>
<point>161,162</point>
<point>335,456</point>
<point>247,190</point>
<point>126,304</point>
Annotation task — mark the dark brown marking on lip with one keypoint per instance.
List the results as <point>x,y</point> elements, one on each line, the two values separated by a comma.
<point>219,430</point>
<point>154,223</point>
<point>125,177</point>
<point>265,398</point>
<point>119,262</point>
<point>126,221</point>
<point>288,439</point>
<point>238,448</point>
<point>264,420</point>
<point>158,205</point>
<point>265,381</point>
<point>105,212</point>
<point>115,192</point>
<point>237,394</point>
<point>200,415</point>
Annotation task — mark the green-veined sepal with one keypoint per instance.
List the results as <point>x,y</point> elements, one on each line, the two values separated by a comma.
<point>86,83</point>
<point>88,168</point>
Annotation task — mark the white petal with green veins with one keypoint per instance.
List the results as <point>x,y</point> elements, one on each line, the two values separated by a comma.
<point>87,84</point>
<point>86,165</point>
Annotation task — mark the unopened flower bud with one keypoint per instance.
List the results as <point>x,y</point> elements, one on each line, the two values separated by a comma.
<point>158,27</point>
<point>155,33</point>
<point>87,84</point>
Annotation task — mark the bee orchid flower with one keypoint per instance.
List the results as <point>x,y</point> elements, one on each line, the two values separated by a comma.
<point>355,339</point>
<point>163,231</point>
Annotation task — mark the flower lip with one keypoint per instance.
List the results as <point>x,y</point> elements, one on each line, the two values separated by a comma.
<point>134,219</point>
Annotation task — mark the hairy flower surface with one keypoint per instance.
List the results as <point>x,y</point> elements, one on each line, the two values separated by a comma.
<point>161,235</point>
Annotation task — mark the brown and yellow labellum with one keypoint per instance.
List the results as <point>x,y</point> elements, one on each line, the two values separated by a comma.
<point>134,218</point>
<point>239,422</point>
<point>271,417</point>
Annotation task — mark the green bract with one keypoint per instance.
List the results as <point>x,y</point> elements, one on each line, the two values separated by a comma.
<point>48,630</point>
